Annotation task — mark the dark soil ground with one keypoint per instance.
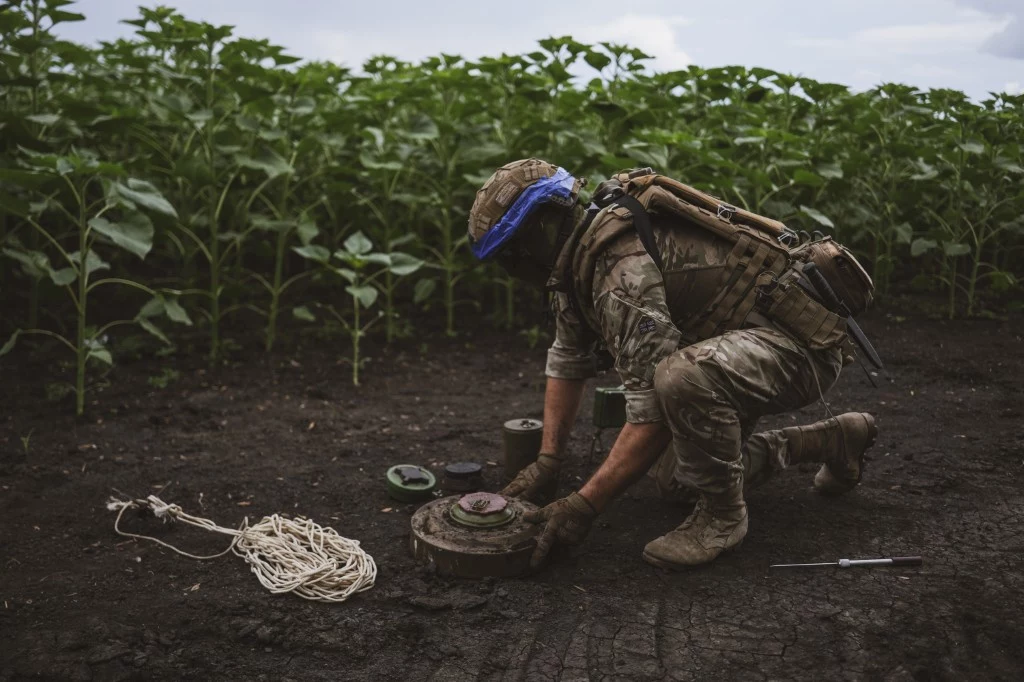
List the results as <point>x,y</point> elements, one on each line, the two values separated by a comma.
<point>288,433</point>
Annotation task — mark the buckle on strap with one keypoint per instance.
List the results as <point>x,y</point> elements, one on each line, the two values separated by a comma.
<point>726,211</point>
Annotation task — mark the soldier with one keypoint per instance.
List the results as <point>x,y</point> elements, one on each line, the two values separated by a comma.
<point>712,323</point>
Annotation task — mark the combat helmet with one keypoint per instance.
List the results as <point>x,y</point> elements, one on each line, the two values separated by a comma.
<point>523,215</point>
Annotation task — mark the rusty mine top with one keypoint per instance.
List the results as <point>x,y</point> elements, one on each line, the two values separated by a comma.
<point>482,503</point>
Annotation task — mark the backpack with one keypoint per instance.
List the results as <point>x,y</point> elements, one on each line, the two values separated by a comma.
<point>765,273</point>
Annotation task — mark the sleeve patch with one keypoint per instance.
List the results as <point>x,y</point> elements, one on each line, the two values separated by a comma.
<point>646,326</point>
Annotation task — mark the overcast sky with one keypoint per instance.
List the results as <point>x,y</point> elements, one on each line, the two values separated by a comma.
<point>972,45</point>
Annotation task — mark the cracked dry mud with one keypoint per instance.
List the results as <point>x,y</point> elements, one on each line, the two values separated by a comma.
<point>287,434</point>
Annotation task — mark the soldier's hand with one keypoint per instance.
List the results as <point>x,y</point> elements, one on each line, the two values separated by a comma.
<point>567,520</point>
<point>532,479</point>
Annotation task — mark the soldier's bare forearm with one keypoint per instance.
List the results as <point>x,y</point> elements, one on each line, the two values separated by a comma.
<point>562,398</point>
<point>633,453</point>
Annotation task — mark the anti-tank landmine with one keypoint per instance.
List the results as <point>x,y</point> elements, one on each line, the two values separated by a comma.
<point>475,535</point>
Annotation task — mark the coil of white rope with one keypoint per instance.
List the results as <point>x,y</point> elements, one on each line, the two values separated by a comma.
<point>287,555</point>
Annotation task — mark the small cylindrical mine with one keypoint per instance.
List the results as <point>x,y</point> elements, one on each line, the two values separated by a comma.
<point>522,438</point>
<point>463,477</point>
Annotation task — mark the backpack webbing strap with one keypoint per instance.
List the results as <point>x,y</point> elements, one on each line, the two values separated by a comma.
<point>642,225</point>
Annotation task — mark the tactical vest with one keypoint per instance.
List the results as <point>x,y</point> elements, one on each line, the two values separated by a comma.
<point>760,277</point>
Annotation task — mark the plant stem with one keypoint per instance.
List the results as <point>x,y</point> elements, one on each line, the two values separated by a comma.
<point>83,293</point>
<point>275,292</point>
<point>952,288</point>
<point>357,332</point>
<point>973,282</point>
<point>213,218</point>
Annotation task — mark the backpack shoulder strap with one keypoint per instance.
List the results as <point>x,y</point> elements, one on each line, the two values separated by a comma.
<point>642,225</point>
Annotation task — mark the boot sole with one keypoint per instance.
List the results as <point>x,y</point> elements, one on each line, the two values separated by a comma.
<point>670,566</point>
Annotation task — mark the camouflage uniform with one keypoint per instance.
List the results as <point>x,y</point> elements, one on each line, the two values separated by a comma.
<point>711,391</point>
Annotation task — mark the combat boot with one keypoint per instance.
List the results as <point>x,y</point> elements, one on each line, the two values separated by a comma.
<point>839,444</point>
<point>718,523</point>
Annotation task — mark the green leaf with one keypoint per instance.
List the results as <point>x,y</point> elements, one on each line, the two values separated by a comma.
<point>13,205</point>
<point>370,163</point>
<point>401,241</point>
<point>922,245</point>
<point>200,117</point>
<point>44,119</point>
<point>597,60</point>
<point>133,233</point>
<point>350,275</point>
<point>1009,166</point>
<point>266,160</point>
<point>146,195</point>
<point>832,171</point>
<point>904,233</point>
<point>422,128</point>
<point>358,244</point>
<point>376,134</point>
<point>1002,280</point>
<point>271,224</point>
<point>313,252</point>
<point>805,177</point>
<point>179,104</point>
<point>955,249</point>
<point>365,294</point>
<point>424,288</point>
<point>9,346</point>
<point>36,264</point>
<point>153,307</point>
<point>101,354</point>
<point>63,277</point>
<point>307,231</point>
<point>152,329</point>
<point>403,264</point>
<point>176,313</point>
<point>303,313</point>
<point>817,216</point>
<point>92,261</point>
<point>972,147</point>
<point>748,140</point>
<point>378,258</point>
<point>25,178</point>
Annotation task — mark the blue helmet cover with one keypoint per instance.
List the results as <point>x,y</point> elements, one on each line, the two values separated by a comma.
<point>557,187</point>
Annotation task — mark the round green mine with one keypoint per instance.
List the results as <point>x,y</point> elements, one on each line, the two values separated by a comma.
<point>410,483</point>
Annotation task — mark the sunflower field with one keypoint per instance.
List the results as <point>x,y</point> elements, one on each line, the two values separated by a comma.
<point>175,183</point>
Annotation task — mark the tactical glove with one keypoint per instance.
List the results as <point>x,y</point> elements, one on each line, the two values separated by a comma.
<point>531,480</point>
<point>567,520</point>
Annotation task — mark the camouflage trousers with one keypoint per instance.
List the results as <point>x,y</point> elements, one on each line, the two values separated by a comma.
<point>712,394</point>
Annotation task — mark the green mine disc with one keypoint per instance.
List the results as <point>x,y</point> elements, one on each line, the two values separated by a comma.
<point>410,483</point>
<point>482,510</point>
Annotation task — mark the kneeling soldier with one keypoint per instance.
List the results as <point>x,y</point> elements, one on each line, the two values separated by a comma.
<point>714,318</point>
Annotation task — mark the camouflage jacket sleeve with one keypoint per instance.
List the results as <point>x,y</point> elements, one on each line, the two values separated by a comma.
<point>629,302</point>
<point>571,356</point>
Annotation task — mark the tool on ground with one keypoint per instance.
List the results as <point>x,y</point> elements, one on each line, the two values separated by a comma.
<point>294,555</point>
<point>853,563</point>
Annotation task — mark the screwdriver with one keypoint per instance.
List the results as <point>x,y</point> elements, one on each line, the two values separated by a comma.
<point>851,563</point>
